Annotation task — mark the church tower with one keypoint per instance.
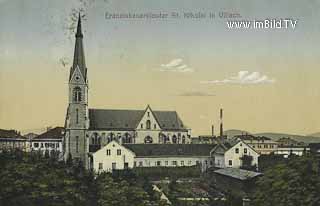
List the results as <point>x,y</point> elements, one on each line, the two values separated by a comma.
<point>77,119</point>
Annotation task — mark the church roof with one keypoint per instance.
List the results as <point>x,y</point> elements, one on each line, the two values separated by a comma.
<point>145,150</point>
<point>79,58</point>
<point>110,119</point>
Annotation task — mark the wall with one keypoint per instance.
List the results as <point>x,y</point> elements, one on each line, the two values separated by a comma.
<point>235,157</point>
<point>101,157</point>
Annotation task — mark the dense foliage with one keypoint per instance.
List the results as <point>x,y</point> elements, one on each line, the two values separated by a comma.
<point>30,179</point>
<point>296,182</point>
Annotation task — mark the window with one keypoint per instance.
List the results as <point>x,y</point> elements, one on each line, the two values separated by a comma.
<point>265,146</point>
<point>148,124</point>
<point>148,139</point>
<point>126,165</point>
<point>41,145</point>
<point>108,152</point>
<point>77,94</point>
<point>174,139</point>
<point>77,144</point>
<point>166,163</point>
<point>148,114</point>
<point>154,126</point>
<point>134,163</point>
<point>158,163</point>
<point>141,126</point>
<point>189,162</point>
<point>174,163</point>
<point>118,152</point>
<point>36,145</point>
<point>114,165</point>
<point>77,116</point>
<point>140,164</point>
<point>245,150</point>
<point>237,150</point>
<point>230,162</point>
<point>100,166</point>
<point>182,163</point>
<point>206,162</point>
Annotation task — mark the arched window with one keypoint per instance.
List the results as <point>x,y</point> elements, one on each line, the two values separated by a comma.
<point>148,124</point>
<point>77,94</point>
<point>183,139</point>
<point>148,140</point>
<point>174,139</point>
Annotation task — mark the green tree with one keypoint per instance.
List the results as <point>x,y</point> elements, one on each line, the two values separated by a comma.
<point>294,183</point>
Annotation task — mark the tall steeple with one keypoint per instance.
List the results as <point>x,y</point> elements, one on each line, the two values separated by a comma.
<point>79,58</point>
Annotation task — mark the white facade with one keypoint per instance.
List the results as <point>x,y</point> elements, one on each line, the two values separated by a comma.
<point>46,145</point>
<point>205,162</point>
<point>286,151</point>
<point>232,157</point>
<point>113,156</point>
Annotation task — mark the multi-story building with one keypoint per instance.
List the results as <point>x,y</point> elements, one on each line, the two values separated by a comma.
<point>263,145</point>
<point>87,130</point>
<point>117,156</point>
<point>11,139</point>
<point>49,141</point>
<point>289,142</point>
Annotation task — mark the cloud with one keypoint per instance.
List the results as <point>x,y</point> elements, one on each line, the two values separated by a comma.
<point>175,65</point>
<point>196,94</point>
<point>244,77</point>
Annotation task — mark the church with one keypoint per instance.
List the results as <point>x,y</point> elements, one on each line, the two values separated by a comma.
<point>88,130</point>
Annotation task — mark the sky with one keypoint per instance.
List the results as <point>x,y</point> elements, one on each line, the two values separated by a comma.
<point>266,80</point>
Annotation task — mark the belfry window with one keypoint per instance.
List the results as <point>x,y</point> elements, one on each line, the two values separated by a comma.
<point>77,94</point>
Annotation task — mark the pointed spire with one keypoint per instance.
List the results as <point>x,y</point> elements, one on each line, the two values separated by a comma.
<point>79,58</point>
<point>79,31</point>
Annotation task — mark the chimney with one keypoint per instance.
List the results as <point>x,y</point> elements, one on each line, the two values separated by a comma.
<point>221,122</point>
<point>212,130</point>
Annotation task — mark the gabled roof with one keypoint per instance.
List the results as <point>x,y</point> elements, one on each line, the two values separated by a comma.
<point>110,119</point>
<point>55,133</point>
<point>10,134</point>
<point>165,150</point>
<point>237,173</point>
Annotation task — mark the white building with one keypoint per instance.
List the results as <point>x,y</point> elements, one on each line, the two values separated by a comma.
<point>48,141</point>
<point>234,155</point>
<point>261,144</point>
<point>113,156</point>
<point>289,150</point>
<point>116,156</point>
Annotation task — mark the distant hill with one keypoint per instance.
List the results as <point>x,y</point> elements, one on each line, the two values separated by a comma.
<point>234,132</point>
<point>300,138</point>
<point>275,136</point>
<point>315,134</point>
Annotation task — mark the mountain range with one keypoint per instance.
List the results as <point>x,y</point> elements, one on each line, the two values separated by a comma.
<point>310,138</point>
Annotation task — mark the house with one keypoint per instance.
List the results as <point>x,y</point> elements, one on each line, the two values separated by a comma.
<point>117,156</point>
<point>287,142</point>
<point>263,145</point>
<point>49,141</point>
<point>12,139</point>
<point>89,129</point>
<point>234,154</point>
<point>113,156</point>
<point>237,181</point>
<point>289,150</point>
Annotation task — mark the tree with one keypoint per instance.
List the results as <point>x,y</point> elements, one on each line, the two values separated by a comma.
<point>294,183</point>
